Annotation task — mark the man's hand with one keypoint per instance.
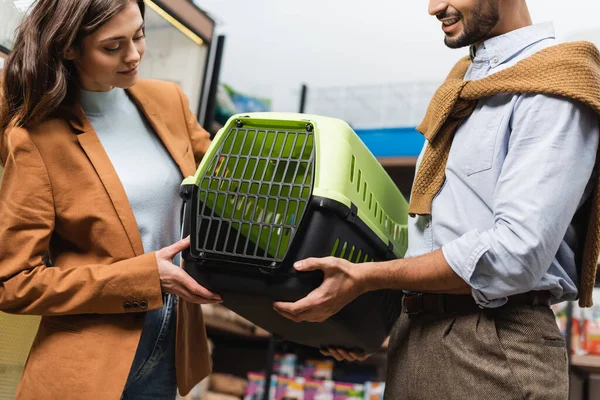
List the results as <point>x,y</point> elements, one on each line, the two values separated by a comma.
<point>176,281</point>
<point>341,354</point>
<point>343,283</point>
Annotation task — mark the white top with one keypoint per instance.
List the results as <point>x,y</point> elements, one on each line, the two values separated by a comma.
<point>149,175</point>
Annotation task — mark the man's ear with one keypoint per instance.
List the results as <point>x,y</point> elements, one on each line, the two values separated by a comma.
<point>71,54</point>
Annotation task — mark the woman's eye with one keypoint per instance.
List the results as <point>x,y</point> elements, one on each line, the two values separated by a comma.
<point>139,37</point>
<point>112,50</point>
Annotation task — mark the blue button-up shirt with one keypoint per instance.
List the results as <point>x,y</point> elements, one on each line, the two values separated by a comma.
<point>519,168</point>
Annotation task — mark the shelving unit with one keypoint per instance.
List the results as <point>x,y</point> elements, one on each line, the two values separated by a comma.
<point>590,363</point>
<point>584,369</point>
<point>239,349</point>
<point>396,162</point>
<point>218,325</point>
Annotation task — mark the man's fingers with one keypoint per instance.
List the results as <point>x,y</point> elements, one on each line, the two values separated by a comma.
<point>289,316</point>
<point>360,357</point>
<point>335,354</point>
<point>347,355</point>
<point>341,354</point>
<point>312,264</point>
<point>325,352</point>
<point>313,299</point>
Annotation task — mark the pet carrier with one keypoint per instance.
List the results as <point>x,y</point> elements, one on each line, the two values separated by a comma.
<point>277,188</point>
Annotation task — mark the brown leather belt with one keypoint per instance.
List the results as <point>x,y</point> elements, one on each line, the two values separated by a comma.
<point>420,303</point>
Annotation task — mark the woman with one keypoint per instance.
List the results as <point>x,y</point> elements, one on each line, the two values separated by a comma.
<point>93,160</point>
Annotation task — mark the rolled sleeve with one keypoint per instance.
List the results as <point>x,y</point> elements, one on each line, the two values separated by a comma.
<point>544,177</point>
<point>463,255</point>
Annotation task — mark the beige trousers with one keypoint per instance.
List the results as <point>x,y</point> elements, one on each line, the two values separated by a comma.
<point>510,353</point>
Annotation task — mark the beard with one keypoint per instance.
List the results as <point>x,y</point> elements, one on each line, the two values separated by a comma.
<point>477,27</point>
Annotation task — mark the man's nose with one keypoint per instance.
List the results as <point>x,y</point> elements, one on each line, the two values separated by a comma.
<point>437,6</point>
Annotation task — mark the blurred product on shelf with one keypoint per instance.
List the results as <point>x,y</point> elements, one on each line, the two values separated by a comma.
<point>317,369</point>
<point>227,384</point>
<point>318,390</point>
<point>254,389</point>
<point>285,365</point>
<point>308,386</point>
<point>374,390</point>
<point>585,326</point>
<point>348,391</point>
<point>560,311</point>
<point>591,326</point>
<point>289,388</point>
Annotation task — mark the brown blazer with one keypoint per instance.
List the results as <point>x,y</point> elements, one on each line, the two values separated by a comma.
<point>60,192</point>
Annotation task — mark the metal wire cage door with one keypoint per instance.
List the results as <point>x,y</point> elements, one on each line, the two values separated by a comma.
<point>253,196</point>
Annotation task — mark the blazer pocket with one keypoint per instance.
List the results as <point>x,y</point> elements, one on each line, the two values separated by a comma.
<point>480,156</point>
<point>59,326</point>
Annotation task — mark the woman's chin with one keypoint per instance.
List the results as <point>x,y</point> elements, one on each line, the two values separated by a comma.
<point>126,83</point>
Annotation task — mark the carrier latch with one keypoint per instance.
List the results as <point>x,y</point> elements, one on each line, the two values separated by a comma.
<point>353,214</point>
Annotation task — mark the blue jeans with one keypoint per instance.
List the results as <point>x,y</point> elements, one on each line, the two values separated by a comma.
<point>152,374</point>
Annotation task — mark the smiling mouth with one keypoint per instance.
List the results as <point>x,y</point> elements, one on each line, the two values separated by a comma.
<point>450,21</point>
<point>129,71</point>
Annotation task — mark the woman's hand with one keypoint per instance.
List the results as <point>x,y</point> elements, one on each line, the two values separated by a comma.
<point>341,354</point>
<point>175,280</point>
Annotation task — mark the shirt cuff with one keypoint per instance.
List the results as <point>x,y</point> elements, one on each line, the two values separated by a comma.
<point>462,255</point>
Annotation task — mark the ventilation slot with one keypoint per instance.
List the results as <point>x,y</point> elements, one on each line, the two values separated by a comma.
<point>335,247</point>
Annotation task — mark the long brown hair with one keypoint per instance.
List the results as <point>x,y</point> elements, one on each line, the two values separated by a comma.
<point>38,79</point>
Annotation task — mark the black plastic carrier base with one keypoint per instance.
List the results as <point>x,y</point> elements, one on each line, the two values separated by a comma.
<point>249,286</point>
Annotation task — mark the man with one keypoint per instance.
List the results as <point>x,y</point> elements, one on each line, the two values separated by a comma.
<point>494,236</point>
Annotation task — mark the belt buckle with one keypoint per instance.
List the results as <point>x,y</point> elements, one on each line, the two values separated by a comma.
<point>420,306</point>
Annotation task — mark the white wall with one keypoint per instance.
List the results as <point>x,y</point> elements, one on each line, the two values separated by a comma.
<point>10,16</point>
<point>172,56</point>
<point>275,45</point>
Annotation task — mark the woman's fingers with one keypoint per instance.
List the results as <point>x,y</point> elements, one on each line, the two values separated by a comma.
<point>191,297</point>
<point>169,252</point>
<point>195,288</point>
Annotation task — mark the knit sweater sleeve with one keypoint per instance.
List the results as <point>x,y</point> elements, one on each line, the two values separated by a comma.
<point>545,175</point>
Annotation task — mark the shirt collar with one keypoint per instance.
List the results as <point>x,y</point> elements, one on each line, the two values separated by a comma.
<point>502,48</point>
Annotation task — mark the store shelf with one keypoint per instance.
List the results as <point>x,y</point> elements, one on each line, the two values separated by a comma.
<point>219,325</point>
<point>398,142</point>
<point>590,363</point>
<point>397,161</point>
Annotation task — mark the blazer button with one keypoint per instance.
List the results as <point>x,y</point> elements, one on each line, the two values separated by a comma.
<point>135,304</point>
<point>127,305</point>
<point>143,304</point>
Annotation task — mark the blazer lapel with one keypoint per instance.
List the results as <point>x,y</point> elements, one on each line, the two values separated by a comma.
<point>153,116</point>
<point>89,141</point>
